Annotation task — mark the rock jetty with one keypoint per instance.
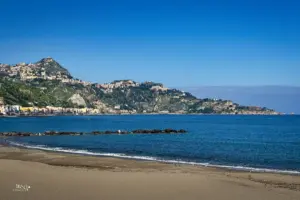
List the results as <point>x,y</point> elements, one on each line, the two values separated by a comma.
<point>120,132</point>
<point>142,131</point>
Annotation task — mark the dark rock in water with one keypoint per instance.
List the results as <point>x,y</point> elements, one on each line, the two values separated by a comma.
<point>123,132</point>
<point>108,132</point>
<point>24,134</point>
<point>170,130</point>
<point>136,131</point>
<point>20,134</point>
<point>67,133</point>
<point>51,133</point>
<point>96,132</point>
<point>5,134</point>
<point>56,133</point>
<point>156,131</point>
<point>14,134</point>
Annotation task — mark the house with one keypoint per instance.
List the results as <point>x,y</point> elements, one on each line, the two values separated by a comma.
<point>2,109</point>
<point>27,109</point>
<point>158,88</point>
<point>82,110</point>
<point>12,108</point>
<point>117,107</point>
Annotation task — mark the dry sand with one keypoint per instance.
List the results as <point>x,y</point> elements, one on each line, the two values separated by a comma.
<point>66,176</point>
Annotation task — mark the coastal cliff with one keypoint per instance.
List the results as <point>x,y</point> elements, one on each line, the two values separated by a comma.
<point>47,85</point>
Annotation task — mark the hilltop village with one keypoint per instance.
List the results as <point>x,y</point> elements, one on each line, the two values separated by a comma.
<point>47,88</point>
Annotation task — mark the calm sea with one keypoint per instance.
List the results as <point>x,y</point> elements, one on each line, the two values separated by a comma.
<point>261,143</point>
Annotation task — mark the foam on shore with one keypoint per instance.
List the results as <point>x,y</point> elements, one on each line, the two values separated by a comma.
<point>149,158</point>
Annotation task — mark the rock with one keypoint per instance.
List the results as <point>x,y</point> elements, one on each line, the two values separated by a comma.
<point>182,131</point>
<point>170,130</point>
<point>136,131</point>
<point>156,131</point>
<point>96,132</point>
<point>110,132</point>
<point>51,133</point>
<point>76,99</point>
<point>56,133</point>
<point>25,134</point>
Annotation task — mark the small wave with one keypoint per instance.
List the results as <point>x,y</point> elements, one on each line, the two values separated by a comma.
<point>148,158</point>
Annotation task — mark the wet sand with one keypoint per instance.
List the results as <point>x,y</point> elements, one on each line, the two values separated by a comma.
<point>67,176</point>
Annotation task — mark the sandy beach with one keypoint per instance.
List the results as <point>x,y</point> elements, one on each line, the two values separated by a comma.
<point>34,174</point>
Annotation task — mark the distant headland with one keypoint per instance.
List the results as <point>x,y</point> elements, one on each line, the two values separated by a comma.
<point>47,88</point>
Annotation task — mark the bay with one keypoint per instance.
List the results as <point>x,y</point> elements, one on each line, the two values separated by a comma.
<point>238,142</point>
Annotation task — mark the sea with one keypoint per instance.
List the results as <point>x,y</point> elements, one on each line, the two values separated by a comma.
<point>239,142</point>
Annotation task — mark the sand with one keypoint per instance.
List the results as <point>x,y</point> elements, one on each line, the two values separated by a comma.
<point>67,176</point>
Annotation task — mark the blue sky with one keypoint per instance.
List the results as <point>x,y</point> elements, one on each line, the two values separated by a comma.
<point>179,43</point>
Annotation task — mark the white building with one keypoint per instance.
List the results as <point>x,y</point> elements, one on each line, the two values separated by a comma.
<point>12,108</point>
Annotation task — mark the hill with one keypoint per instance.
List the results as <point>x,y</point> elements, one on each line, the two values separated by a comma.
<point>52,68</point>
<point>282,98</point>
<point>47,83</point>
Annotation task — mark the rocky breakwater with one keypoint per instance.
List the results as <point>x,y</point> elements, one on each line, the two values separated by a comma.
<point>119,132</point>
<point>51,133</point>
<point>142,131</point>
<point>20,134</point>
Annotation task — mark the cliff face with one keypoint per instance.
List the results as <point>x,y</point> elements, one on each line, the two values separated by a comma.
<point>46,83</point>
<point>76,99</point>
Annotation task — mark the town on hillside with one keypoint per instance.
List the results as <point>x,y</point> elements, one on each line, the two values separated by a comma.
<point>17,110</point>
<point>47,88</point>
<point>30,71</point>
<point>38,70</point>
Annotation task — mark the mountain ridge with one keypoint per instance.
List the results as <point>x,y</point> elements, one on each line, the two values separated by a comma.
<point>47,83</point>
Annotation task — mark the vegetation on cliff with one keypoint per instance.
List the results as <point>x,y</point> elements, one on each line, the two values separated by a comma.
<point>49,84</point>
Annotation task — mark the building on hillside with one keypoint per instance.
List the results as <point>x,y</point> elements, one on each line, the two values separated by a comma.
<point>2,108</point>
<point>12,108</point>
<point>158,88</point>
<point>117,107</point>
<point>27,109</point>
<point>43,73</point>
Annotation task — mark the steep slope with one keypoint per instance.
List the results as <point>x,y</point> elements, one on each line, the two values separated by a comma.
<point>52,67</point>
<point>20,93</point>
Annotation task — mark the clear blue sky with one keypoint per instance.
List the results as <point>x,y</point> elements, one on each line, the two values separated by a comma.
<point>179,43</point>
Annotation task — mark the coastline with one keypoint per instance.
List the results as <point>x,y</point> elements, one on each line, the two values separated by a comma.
<point>131,178</point>
<point>151,159</point>
<point>145,114</point>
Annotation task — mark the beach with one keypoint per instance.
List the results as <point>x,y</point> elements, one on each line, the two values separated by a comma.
<point>35,174</point>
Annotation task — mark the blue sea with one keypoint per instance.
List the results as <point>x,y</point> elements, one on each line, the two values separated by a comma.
<point>255,143</point>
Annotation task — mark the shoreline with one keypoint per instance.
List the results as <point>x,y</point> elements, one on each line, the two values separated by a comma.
<point>47,172</point>
<point>233,168</point>
<point>26,150</point>
<point>145,114</point>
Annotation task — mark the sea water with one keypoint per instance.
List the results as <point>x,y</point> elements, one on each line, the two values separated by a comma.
<point>256,143</point>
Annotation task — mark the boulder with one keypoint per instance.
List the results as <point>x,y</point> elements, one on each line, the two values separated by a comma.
<point>76,99</point>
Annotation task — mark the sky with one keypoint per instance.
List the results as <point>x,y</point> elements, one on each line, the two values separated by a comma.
<point>280,98</point>
<point>178,43</point>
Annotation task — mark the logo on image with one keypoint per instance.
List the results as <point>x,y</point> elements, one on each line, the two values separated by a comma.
<point>21,188</point>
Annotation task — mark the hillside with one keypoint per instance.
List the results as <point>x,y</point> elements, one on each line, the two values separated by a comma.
<point>281,98</point>
<point>51,67</point>
<point>47,83</point>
